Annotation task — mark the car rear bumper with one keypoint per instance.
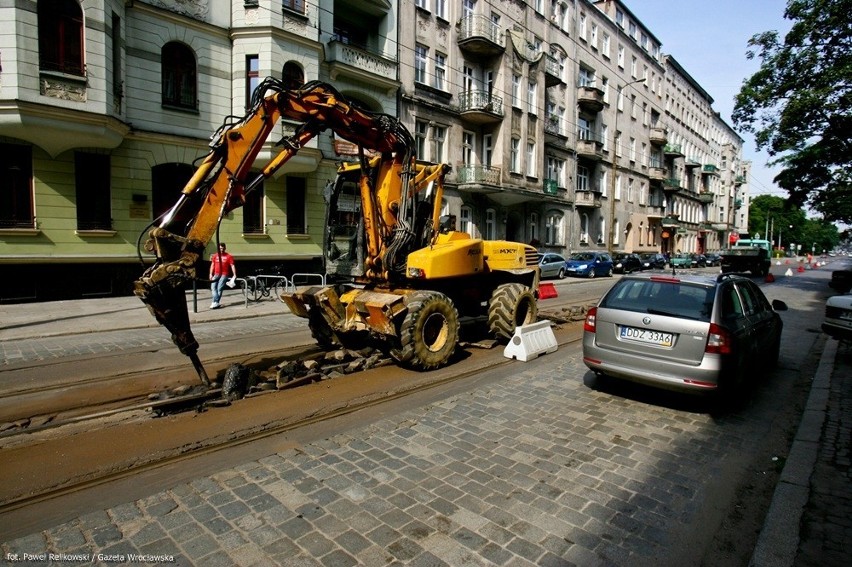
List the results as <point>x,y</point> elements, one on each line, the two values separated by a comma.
<point>653,372</point>
<point>840,330</point>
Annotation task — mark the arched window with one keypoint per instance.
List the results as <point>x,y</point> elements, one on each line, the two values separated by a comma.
<point>167,182</point>
<point>292,75</point>
<point>466,221</point>
<point>533,227</point>
<point>60,37</point>
<point>490,224</point>
<point>553,228</point>
<point>179,76</point>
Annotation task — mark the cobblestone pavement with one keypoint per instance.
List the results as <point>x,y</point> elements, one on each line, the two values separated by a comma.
<point>826,530</point>
<point>536,469</point>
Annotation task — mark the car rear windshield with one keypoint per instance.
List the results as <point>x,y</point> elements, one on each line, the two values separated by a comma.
<point>662,296</point>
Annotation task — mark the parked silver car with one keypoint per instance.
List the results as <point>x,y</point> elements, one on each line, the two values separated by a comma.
<point>689,333</point>
<point>551,265</point>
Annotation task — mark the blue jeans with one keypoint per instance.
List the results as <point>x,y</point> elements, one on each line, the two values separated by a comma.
<point>217,286</point>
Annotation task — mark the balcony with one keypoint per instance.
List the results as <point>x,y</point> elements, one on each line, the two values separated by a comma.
<point>553,126</point>
<point>739,179</point>
<point>587,199</point>
<point>719,226</point>
<point>658,136</point>
<point>710,169</point>
<point>480,36</point>
<point>673,150</point>
<point>552,72</point>
<point>480,107</point>
<point>478,175</point>
<point>692,163</point>
<point>672,184</point>
<point>657,173</point>
<point>345,59</point>
<point>590,98</point>
<point>551,186</point>
<point>670,221</point>
<point>706,197</point>
<point>588,146</point>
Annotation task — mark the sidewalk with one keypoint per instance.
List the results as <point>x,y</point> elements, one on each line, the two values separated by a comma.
<point>79,316</point>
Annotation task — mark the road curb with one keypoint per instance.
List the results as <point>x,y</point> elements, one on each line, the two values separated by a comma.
<point>778,542</point>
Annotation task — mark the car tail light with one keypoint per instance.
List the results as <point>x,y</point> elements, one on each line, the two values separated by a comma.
<point>718,340</point>
<point>590,324</point>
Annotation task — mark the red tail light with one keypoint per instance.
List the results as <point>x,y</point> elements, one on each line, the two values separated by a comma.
<point>718,341</point>
<point>590,324</point>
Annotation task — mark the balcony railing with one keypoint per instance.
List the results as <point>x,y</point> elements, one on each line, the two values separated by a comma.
<point>672,184</point>
<point>590,98</point>
<point>479,35</point>
<point>658,136</point>
<point>552,71</point>
<point>483,174</point>
<point>739,179</point>
<point>670,221</point>
<point>673,150</point>
<point>480,101</point>
<point>706,197</point>
<point>692,162</point>
<point>587,199</point>
<point>360,61</point>
<point>551,186</point>
<point>710,169</point>
<point>657,173</point>
<point>553,125</point>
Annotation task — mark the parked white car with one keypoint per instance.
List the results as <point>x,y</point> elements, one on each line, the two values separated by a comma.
<point>838,317</point>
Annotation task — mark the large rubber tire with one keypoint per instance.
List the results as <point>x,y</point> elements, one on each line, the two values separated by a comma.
<point>511,305</point>
<point>592,273</point>
<point>429,332</point>
<point>561,274</point>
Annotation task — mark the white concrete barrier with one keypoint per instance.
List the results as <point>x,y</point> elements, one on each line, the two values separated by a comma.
<point>530,341</point>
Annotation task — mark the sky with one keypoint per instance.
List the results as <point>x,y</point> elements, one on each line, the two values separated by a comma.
<point>710,40</point>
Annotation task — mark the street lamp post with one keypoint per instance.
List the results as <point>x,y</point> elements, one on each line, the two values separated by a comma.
<point>611,238</point>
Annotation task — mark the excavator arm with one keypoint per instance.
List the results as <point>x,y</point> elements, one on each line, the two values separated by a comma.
<point>224,177</point>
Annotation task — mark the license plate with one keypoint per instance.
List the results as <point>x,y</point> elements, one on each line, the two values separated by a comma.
<point>646,336</point>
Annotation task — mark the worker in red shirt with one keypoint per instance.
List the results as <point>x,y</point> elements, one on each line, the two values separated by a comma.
<point>221,268</point>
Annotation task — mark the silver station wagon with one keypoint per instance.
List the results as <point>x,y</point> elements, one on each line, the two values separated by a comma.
<point>692,333</point>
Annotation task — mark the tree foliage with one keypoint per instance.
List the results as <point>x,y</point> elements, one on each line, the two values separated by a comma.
<point>774,218</point>
<point>798,104</point>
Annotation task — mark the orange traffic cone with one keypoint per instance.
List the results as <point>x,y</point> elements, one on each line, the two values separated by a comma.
<point>800,269</point>
<point>546,291</point>
<point>769,278</point>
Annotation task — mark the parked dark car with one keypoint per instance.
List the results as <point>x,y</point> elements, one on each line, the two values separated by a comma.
<point>699,261</point>
<point>551,265</point>
<point>690,333</point>
<point>625,263</point>
<point>653,261</point>
<point>713,259</point>
<point>589,264</point>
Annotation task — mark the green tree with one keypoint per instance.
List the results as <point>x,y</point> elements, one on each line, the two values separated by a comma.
<point>774,218</point>
<point>799,105</point>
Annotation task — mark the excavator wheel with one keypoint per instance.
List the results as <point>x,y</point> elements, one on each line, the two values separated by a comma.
<point>321,331</point>
<point>429,332</point>
<point>511,305</point>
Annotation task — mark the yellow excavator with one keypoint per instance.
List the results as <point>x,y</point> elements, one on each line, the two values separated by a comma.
<point>400,275</point>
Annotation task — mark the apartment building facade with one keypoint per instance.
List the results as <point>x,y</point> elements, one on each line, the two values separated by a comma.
<point>563,121</point>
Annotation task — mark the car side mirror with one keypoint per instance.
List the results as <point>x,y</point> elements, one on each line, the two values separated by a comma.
<point>779,305</point>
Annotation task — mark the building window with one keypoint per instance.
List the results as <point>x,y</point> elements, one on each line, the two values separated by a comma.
<point>295,193</point>
<point>516,91</point>
<point>466,220</point>
<point>621,56</point>
<point>629,189</point>
<point>440,71</point>
<point>515,156</point>
<point>603,182</point>
<point>490,224</point>
<point>179,76</point>
<point>252,77</point>
<point>420,57</point>
<point>533,227</point>
<point>531,159</point>
<point>441,8</point>
<point>292,75</point>
<point>92,183</point>
<point>60,37</point>
<point>468,140</point>
<point>439,135</point>
<point>587,77</point>
<point>582,178</point>
<point>253,211</point>
<point>294,5</point>
<point>605,45</point>
<point>531,89</point>
<point>421,129</point>
<point>553,228</point>
<point>16,194</point>
<point>167,182</point>
<point>421,4</point>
